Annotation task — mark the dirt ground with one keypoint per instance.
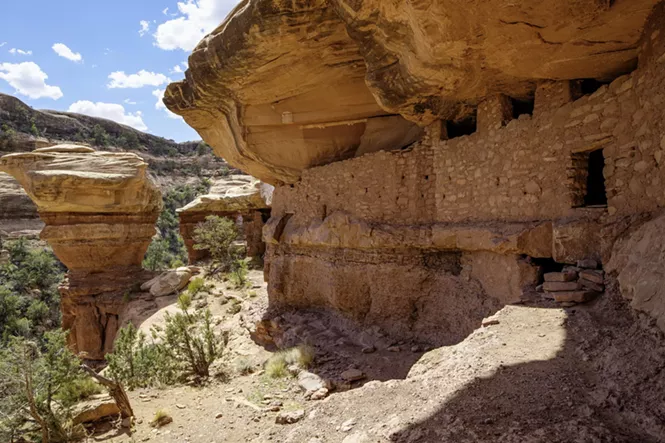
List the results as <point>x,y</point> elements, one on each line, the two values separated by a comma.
<point>538,373</point>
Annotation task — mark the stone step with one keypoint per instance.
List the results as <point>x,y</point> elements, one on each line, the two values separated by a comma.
<point>594,276</point>
<point>560,276</point>
<point>559,286</point>
<point>587,284</point>
<point>574,296</point>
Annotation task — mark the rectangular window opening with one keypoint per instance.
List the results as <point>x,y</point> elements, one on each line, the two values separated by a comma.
<point>588,181</point>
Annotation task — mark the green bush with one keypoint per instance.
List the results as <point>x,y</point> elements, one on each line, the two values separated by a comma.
<point>216,235</point>
<point>99,136</point>
<point>39,386</point>
<point>29,297</point>
<point>186,346</point>
<point>136,363</point>
<point>239,273</point>
<point>195,286</point>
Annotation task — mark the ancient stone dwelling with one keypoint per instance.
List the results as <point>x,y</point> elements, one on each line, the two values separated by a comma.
<point>240,198</point>
<point>433,159</point>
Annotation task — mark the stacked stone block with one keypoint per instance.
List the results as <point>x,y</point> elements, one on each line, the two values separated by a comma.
<point>575,284</point>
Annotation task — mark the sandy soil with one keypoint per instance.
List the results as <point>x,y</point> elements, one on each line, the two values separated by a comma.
<point>540,373</point>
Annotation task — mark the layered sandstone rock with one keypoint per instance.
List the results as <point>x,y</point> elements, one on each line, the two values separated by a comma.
<point>100,210</point>
<point>18,213</point>
<point>540,147</point>
<point>239,197</point>
<point>280,86</point>
<point>638,261</point>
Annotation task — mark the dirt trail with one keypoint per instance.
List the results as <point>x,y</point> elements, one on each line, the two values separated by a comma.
<point>591,373</point>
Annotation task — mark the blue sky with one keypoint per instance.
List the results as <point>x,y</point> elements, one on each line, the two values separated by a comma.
<point>108,59</point>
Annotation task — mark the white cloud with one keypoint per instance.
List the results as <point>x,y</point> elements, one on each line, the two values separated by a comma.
<point>111,111</point>
<point>165,11</point>
<point>2,44</point>
<point>177,70</point>
<point>142,78</point>
<point>63,51</point>
<point>145,27</point>
<point>28,79</point>
<point>15,51</point>
<point>198,18</point>
<point>159,93</point>
<point>129,102</point>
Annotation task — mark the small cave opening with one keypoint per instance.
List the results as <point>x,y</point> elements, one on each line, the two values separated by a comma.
<point>522,107</point>
<point>587,86</point>
<point>545,265</point>
<point>459,128</point>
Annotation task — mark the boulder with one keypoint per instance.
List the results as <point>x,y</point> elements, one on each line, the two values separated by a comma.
<point>95,409</point>
<point>168,283</point>
<point>310,382</point>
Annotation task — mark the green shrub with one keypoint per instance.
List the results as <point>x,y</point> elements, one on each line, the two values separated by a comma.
<point>161,418</point>
<point>301,356</point>
<point>195,286</point>
<point>216,235</point>
<point>276,366</point>
<point>136,363</point>
<point>32,380</point>
<point>189,338</point>
<point>29,297</point>
<point>99,136</point>
<point>239,273</point>
<point>186,346</point>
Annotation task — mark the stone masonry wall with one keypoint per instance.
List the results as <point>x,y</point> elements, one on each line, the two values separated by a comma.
<point>358,235</point>
<point>523,171</point>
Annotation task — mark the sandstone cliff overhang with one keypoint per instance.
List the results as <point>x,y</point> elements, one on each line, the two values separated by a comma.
<point>283,86</point>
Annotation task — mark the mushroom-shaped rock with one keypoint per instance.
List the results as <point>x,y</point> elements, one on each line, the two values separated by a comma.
<point>240,197</point>
<point>100,210</point>
<point>284,86</point>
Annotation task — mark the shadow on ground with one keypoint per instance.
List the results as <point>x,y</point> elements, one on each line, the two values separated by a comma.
<point>605,383</point>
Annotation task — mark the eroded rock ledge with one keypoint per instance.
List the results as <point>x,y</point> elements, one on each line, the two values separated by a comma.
<point>239,197</point>
<point>100,210</point>
<point>283,86</point>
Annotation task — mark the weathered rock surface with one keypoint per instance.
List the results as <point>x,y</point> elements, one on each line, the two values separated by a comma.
<point>239,197</point>
<point>168,283</point>
<point>282,86</point>
<point>95,409</point>
<point>100,210</point>
<point>17,212</point>
<point>638,260</point>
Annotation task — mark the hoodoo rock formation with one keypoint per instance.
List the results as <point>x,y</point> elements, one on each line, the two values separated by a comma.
<point>100,210</point>
<point>542,145</point>
<point>241,198</point>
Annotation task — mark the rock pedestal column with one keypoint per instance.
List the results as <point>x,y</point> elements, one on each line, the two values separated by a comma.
<point>100,210</point>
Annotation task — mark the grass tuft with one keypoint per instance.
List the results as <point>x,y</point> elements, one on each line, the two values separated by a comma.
<point>161,418</point>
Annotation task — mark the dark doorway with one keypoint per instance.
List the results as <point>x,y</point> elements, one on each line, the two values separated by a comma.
<point>522,107</point>
<point>595,186</point>
<point>466,126</point>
